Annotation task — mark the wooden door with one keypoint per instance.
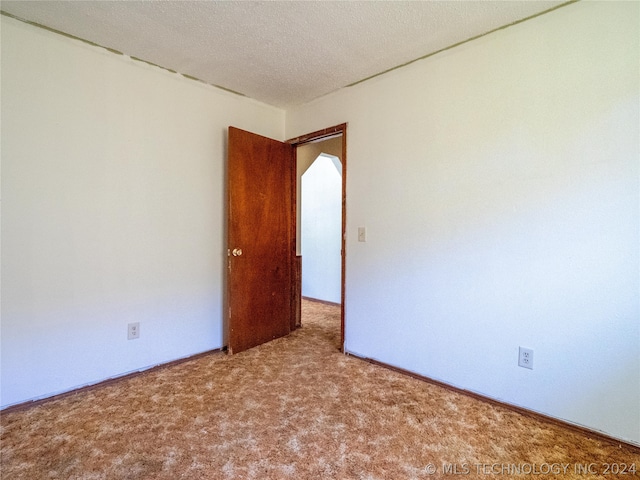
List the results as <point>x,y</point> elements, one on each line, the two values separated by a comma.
<point>261,239</point>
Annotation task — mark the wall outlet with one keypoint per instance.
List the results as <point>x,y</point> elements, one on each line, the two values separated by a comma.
<point>133,331</point>
<point>525,358</point>
<point>362,234</point>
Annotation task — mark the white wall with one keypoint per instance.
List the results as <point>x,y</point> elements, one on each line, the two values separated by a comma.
<point>305,156</point>
<point>112,211</point>
<point>498,181</point>
<point>322,230</point>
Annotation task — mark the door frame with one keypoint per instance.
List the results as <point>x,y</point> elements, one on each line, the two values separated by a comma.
<point>312,137</point>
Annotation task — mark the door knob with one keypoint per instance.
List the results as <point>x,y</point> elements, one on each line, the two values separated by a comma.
<point>237,252</point>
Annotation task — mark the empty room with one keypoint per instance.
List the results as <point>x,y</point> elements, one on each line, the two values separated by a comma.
<point>157,315</point>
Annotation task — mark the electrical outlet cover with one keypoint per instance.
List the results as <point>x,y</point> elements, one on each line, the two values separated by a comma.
<point>525,358</point>
<point>133,331</point>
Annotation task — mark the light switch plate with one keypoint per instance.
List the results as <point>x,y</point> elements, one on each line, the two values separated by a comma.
<point>362,234</point>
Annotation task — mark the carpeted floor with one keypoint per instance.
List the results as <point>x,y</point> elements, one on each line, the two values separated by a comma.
<point>294,408</point>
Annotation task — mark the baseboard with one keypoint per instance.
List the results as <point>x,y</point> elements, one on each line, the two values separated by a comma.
<point>109,381</point>
<point>529,413</point>
<point>325,302</point>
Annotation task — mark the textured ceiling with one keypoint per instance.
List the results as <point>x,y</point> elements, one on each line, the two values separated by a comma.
<point>282,53</point>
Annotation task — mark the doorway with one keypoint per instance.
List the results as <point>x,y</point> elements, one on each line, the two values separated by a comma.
<point>321,154</point>
<point>264,296</point>
<point>321,227</point>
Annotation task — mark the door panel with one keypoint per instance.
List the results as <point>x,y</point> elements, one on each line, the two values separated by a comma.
<point>260,239</point>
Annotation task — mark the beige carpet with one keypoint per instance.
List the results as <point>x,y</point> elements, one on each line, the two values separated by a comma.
<point>294,408</point>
